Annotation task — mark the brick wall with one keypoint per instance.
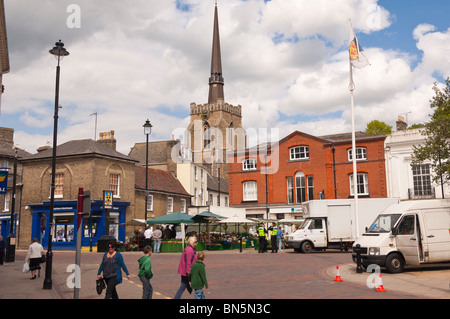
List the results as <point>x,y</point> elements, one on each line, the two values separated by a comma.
<point>319,165</point>
<point>89,173</point>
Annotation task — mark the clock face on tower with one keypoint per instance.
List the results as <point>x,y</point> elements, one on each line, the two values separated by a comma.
<point>205,115</point>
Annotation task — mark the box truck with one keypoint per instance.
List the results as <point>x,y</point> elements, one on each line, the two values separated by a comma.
<point>332,223</point>
<point>412,232</point>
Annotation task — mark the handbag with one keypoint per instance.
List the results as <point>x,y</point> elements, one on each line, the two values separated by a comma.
<point>100,285</point>
<point>43,258</point>
<point>26,267</point>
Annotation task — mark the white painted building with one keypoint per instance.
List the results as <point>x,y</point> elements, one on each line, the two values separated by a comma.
<point>403,180</point>
<point>193,177</point>
<point>217,200</point>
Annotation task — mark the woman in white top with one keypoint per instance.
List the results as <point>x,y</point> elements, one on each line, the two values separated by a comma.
<point>34,257</point>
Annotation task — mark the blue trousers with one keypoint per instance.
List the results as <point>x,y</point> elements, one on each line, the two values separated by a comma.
<point>157,245</point>
<point>184,285</point>
<point>199,294</point>
<point>147,289</point>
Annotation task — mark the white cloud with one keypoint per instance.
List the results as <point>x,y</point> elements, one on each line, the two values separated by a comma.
<point>436,49</point>
<point>139,59</point>
<point>323,17</point>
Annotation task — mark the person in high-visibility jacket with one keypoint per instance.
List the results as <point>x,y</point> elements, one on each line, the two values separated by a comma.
<point>273,237</point>
<point>262,232</point>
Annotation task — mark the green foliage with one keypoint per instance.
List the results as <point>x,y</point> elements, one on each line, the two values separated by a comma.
<point>437,131</point>
<point>378,127</point>
<point>411,127</point>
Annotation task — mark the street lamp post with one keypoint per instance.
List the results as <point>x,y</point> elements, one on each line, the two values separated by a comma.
<point>147,132</point>
<point>11,239</point>
<point>59,52</point>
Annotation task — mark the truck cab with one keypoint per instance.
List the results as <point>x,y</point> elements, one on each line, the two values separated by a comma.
<point>311,234</point>
<point>332,224</point>
<point>409,233</point>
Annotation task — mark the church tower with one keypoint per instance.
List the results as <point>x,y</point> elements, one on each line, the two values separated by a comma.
<point>215,127</point>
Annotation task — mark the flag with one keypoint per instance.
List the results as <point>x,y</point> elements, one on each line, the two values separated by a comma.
<point>357,57</point>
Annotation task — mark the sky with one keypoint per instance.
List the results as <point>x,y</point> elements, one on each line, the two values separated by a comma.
<point>284,61</point>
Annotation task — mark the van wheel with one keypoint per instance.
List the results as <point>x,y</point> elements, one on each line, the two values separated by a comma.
<point>307,247</point>
<point>395,263</point>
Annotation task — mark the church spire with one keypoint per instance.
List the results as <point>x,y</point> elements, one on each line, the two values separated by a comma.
<point>216,80</point>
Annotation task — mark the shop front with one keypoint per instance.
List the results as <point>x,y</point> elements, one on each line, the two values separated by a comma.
<point>65,221</point>
<point>5,224</point>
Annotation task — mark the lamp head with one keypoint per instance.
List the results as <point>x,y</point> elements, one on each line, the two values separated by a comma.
<point>147,127</point>
<point>58,50</point>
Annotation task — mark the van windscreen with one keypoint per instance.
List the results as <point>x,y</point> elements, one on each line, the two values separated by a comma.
<point>383,223</point>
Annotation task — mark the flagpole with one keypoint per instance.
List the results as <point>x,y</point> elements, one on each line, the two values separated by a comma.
<point>351,88</point>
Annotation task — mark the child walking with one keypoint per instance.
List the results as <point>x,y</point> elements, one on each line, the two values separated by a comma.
<point>197,276</point>
<point>145,273</point>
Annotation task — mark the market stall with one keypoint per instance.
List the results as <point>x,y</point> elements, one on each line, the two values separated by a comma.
<point>206,218</point>
<point>174,245</point>
<point>136,239</point>
<point>239,240</point>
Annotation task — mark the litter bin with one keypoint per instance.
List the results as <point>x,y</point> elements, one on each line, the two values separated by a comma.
<point>102,243</point>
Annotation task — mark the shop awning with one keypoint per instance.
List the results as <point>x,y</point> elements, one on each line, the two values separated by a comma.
<point>237,220</point>
<point>135,222</point>
<point>206,216</point>
<point>172,218</point>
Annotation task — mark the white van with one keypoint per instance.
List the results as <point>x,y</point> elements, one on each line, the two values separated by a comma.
<point>409,233</point>
<point>331,223</point>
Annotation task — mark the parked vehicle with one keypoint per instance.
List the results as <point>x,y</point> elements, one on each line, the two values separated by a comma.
<point>332,223</point>
<point>410,233</point>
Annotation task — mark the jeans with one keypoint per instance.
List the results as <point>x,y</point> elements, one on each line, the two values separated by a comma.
<point>184,285</point>
<point>280,244</point>
<point>147,289</point>
<point>111,292</point>
<point>157,245</point>
<point>199,294</point>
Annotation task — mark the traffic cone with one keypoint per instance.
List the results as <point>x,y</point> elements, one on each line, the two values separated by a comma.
<point>380,285</point>
<point>338,275</point>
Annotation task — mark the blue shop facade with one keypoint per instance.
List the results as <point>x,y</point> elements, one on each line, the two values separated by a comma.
<point>5,224</point>
<point>66,223</point>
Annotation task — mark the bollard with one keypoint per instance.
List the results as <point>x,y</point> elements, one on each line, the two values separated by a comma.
<point>358,259</point>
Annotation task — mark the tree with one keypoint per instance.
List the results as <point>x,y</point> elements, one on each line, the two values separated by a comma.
<point>436,148</point>
<point>378,127</point>
<point>420,125</point>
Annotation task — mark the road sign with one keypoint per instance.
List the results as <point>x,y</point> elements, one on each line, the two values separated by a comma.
<point>3,182</point>
<point>107,199</point>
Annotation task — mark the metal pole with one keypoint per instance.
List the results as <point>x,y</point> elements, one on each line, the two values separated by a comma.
<point>333,150</point>
<point>11,239</point>
<point>107,213</point>
<point>76,291</point>
<point>49,263</point>
<point>146,177</point>
<point>358,259</point>
<point>355,172</point>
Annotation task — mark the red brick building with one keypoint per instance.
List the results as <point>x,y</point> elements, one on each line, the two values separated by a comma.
<point>303,167</point>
